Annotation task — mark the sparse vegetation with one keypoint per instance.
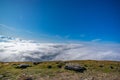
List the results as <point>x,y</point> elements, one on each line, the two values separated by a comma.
<point>54,70</point>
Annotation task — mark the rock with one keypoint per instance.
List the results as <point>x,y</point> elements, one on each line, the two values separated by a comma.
<point>23,66</point>
<point>1,76</point>
<point>76,68</point>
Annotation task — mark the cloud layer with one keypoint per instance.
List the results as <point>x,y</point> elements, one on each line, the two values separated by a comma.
<point>15,49</point>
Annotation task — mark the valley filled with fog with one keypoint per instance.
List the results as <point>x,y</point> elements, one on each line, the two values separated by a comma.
<point>15,49</point>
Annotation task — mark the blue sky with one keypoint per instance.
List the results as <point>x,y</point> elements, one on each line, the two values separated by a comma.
<point>61,20</point>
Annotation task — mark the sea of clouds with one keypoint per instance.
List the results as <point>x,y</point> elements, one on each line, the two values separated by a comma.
<point>15,49</point>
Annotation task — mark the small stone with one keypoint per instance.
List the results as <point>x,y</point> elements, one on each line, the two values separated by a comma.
<point>1,76</point>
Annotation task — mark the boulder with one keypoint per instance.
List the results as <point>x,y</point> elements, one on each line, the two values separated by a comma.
<point>75,68</point>
<point>23,66</point>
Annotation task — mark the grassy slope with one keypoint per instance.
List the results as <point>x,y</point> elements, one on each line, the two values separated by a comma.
<point>96,70</point>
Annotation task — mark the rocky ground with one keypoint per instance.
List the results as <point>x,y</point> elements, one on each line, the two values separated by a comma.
<point>55,70</point>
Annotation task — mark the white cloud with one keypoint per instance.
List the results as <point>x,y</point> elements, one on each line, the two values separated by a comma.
<point>25,50</point>
<point>96,40</point>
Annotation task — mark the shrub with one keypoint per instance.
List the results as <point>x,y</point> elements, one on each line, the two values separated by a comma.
<point>86,65</point>
<point>59,66</point>
<point>100,65</point>
<point>49,66</point>
<point>111,67</point>
<point>36,63</point>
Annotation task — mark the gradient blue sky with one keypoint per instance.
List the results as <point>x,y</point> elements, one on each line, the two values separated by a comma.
<point>61,20</point>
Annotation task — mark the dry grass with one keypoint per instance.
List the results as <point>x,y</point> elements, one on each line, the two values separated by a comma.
<point>96,70</point>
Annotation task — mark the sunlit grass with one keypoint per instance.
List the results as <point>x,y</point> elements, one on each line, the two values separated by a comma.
<point>49,70</point>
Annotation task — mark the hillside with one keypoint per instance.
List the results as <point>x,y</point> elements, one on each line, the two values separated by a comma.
<point>55,70</point>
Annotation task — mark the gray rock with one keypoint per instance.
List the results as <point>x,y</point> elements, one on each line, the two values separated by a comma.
<point>75,68</point>
<point>23,66</point>
<point>1,76</point>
